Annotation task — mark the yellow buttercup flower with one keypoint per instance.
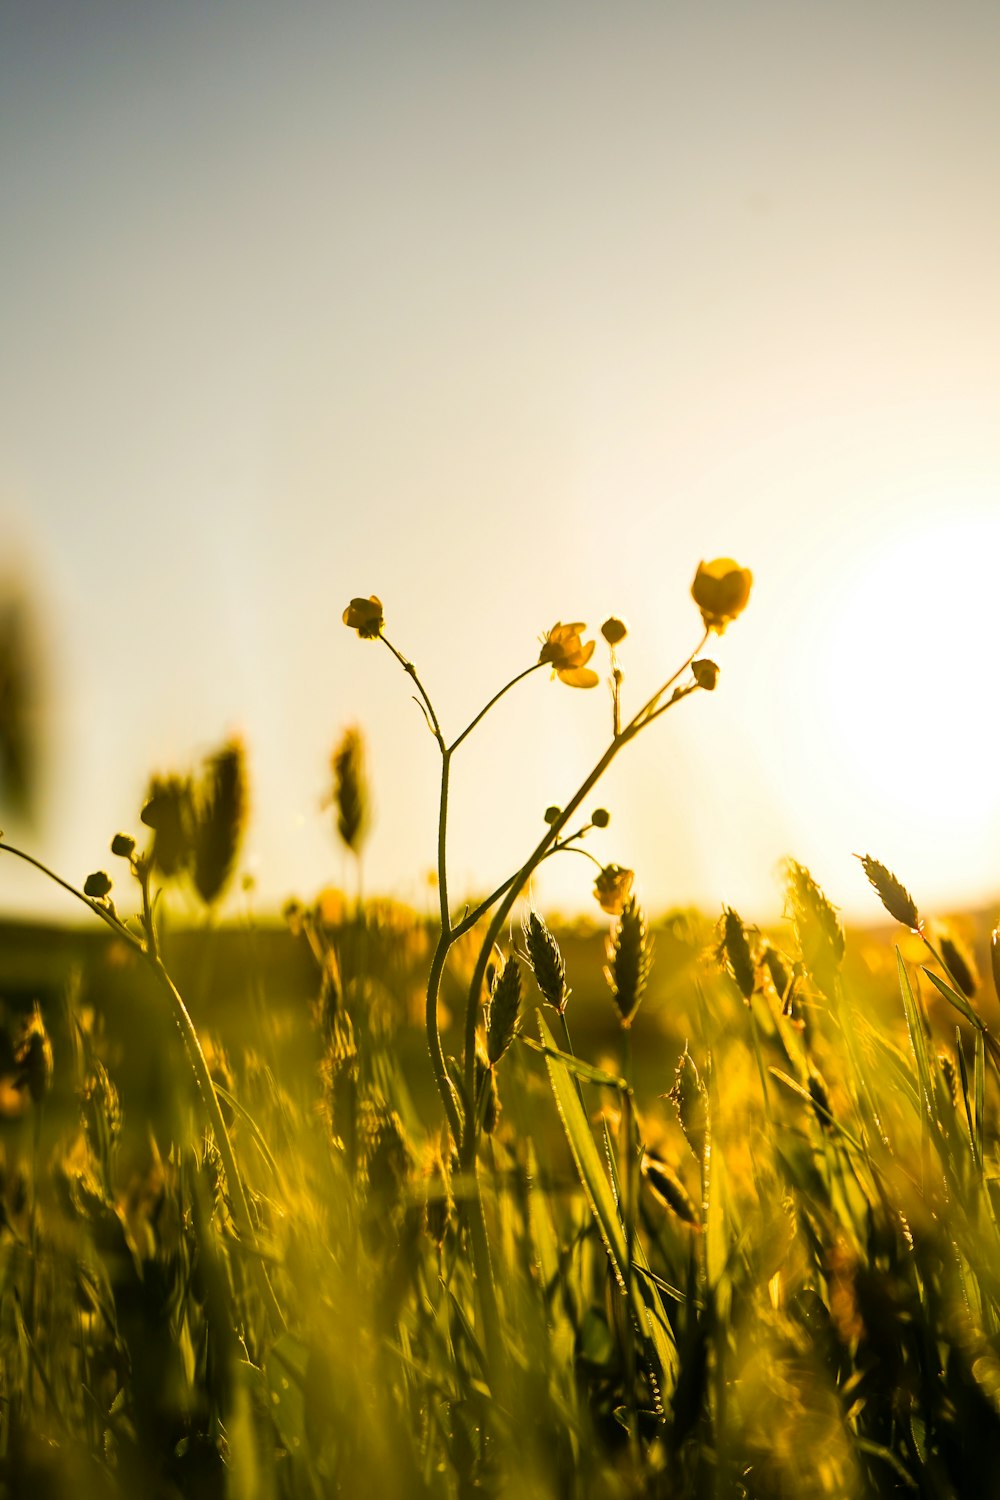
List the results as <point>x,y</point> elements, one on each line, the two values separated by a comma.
<point>612,888</point>
<point>569,655</point>
<point>721,590</point>
<point>365,616</point>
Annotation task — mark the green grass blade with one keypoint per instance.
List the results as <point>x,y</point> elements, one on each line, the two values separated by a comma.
<point>593,1178</point>
<point>918,1042</point>
<point>980,1087</point>
<point>974,1140</point>
<point>579,1069</point>
<point>953,997</point>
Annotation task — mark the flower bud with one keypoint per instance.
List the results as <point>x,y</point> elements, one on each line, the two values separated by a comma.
<point>123,844</point>
<point>552,815</point>
<point>97,885</point>
<point>600,817</point>
<point>706,674</point>
<point>365,616</point>
<point>611,888</point>
<point>721,590</point>
<point>614,630</point>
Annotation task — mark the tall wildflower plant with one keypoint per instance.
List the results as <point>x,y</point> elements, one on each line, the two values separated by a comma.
<point>721,590</point>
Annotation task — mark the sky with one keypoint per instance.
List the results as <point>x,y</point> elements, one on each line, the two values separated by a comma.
<point>510,314</point>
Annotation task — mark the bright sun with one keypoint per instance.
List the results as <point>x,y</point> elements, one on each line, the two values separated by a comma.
<point>906,717</point>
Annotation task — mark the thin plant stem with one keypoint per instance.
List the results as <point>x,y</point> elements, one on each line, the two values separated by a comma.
<point>495,699</point>
<point>628,1177</point>
<point>196,1057</point>
<point>517,883</point>
<point>755,1040</point>
<point>567,1041</point>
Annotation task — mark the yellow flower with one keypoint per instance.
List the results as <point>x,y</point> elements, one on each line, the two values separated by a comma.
<point>612,887</point>
<point>563,647</point>
<point>721,590</point>
<point>365,616</point>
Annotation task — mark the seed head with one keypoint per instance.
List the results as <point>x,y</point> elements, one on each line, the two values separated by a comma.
<point>220,820</point>
<point>668,1189</point>
<point>781,977</point>
<point>629,959</point>
<point>734,952</point>
<point>960,964</point>
<point>486,1078</point>
<point>948,1073</point>
<point>101,1110</point>
<point>167,810</point>
<point>546,962</point>
<point>502,1012</point>
<point>817,927</point>
<point>350,789</point>
<point>894,897</point>
<point>33,1057</point>
<point>820,1101</point>
<point>689,1097</point>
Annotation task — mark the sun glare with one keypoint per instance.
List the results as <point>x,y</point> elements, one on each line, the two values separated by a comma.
<point>908,662</point>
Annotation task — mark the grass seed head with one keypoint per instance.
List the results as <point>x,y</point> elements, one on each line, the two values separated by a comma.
<point>629,960</point>
<point>949,1074</point>
<point>503,1011</point>
<point>689,1097</point>
<point>668,1189</point>
<point>486,1078</point>
<point>960,964</point>
<point>220,820</point>
<point>781,977</point>
<point>546,962</point>
<point>817,927</point>
<point>734,952</point>
<point>893,895</point>
<point>820,1101</point>
<point>101,1111</point>
<point>350,789</point>
<point>33,1058</point>
<point>168,811</point>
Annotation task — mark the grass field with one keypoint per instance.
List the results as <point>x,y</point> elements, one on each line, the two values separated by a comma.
<point>372,1203</point>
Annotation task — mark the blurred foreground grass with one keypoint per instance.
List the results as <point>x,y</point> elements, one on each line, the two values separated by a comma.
<point>817,1280</point>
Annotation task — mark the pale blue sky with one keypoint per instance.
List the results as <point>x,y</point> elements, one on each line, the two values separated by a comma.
<point>512,313</point>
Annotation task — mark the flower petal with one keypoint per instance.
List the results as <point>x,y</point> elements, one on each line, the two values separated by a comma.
<point>581,677</point>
